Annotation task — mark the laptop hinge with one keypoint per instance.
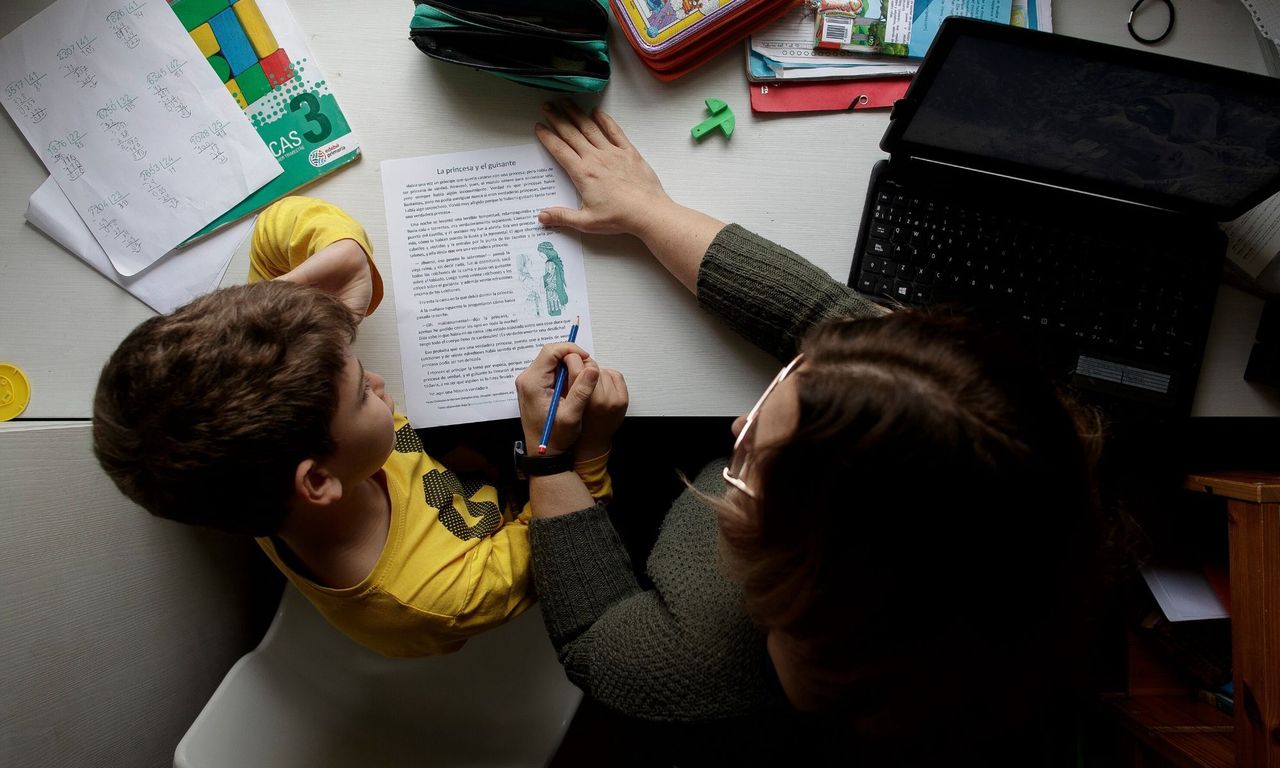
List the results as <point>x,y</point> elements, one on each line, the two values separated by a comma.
<point>964,169</point>
<point>903,109</point>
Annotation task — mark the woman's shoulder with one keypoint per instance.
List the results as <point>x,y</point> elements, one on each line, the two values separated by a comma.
<point>685,562</point>
<point>690,524</point>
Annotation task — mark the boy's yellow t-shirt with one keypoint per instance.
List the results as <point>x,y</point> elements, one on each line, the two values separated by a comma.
<point>291,229</point>
<point>455,563</point>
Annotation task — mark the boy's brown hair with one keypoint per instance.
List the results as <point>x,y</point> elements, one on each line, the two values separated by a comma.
<point>203,415</point>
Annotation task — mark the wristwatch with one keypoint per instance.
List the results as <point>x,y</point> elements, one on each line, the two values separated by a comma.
<point>527,466</point>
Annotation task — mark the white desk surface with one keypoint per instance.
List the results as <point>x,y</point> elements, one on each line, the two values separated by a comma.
<point>797,179</point>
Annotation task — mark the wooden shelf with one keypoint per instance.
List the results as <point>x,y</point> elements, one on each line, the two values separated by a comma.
<point>1173,727</point>
<point>1179,729</point>
<point>1256,487</point>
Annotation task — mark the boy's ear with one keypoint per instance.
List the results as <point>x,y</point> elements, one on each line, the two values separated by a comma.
<point>314,485</point>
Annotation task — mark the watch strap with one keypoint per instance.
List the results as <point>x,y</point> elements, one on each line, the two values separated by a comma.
<point>529,466</point>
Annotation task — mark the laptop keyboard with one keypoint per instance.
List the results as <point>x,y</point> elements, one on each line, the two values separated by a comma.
<point>1128,299</point>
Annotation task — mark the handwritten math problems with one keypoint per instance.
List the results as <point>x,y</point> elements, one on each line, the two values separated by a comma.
<point>147,146</point>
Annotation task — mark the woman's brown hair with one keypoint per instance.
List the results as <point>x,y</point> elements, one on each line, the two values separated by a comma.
<point>202,416</point>
<point>931,523</point>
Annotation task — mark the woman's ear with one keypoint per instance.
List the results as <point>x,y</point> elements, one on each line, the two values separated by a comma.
<point>314,485</point>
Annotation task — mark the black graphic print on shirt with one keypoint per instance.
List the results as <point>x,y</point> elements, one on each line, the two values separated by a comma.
<point>440,489</point>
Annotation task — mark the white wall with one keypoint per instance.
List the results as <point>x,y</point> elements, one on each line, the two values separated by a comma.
<point>115,627</point>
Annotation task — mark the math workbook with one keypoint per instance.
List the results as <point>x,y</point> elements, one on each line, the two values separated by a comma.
<point>260,52</point>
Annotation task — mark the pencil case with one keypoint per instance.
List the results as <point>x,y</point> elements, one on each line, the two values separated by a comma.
<point>557,45</point>
<point>672,37</point>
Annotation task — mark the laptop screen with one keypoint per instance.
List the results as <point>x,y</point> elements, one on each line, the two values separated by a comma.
<point>1133,126</point>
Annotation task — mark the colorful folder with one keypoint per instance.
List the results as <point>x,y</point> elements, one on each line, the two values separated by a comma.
<point>827,95</point>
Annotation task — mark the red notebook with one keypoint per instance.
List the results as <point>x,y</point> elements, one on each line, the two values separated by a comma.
<point>827,95</point>
<point>674,36</point>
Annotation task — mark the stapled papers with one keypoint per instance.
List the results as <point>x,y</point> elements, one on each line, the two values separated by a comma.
<point>171,281</point>
<point>140,134</point>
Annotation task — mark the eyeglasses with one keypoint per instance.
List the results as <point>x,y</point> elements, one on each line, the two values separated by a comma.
<point>740,460</point>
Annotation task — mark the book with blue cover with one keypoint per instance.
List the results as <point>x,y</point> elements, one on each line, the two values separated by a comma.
<point>846,39</point>
<point>907,27</point>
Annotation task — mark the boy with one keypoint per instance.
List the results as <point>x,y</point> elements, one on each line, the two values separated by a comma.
<point>246,410</point>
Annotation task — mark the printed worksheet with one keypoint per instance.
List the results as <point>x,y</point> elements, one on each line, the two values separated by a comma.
<point>480,285</point>
<point>1253,240</point>
<point>138,131</point>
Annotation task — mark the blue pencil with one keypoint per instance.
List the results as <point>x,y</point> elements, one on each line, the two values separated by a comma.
<point>561,375</point>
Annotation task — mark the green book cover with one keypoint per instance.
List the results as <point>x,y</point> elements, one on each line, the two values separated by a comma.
<point>260,52</point>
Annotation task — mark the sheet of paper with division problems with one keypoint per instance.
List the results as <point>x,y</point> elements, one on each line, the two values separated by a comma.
<point>140,134</point>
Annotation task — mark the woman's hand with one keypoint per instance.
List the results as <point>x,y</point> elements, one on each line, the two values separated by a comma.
<point>341,269</point>
<point>619,190</point>
<point>620,193</point>
<point>535,386</point>
<point>604,414</point>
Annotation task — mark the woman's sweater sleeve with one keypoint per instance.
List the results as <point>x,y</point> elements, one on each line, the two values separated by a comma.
<point>581,567</point>
<point>681,651</point>
<point>770,295</point>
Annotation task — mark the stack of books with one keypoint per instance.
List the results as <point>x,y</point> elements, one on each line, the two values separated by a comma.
<point>1185,623</point>
<point>807,59</point>
<point>672,37</point>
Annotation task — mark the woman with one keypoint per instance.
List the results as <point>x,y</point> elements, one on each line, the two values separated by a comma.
<point>901,540</point>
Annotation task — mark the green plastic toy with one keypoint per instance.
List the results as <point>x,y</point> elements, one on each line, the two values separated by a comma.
<point>721,117</point>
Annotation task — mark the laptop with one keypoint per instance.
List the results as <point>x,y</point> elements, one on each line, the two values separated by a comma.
<point>1070,190</point>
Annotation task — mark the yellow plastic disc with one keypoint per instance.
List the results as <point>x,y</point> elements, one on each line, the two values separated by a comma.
<point>15,391</point>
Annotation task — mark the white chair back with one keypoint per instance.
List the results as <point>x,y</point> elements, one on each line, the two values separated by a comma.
<point>309,696</point>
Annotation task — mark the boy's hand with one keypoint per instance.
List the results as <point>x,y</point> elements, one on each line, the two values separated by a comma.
<point>535,385</point>
<point>341,269</point>
<point>618,188</point>
<point>604,414</point>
